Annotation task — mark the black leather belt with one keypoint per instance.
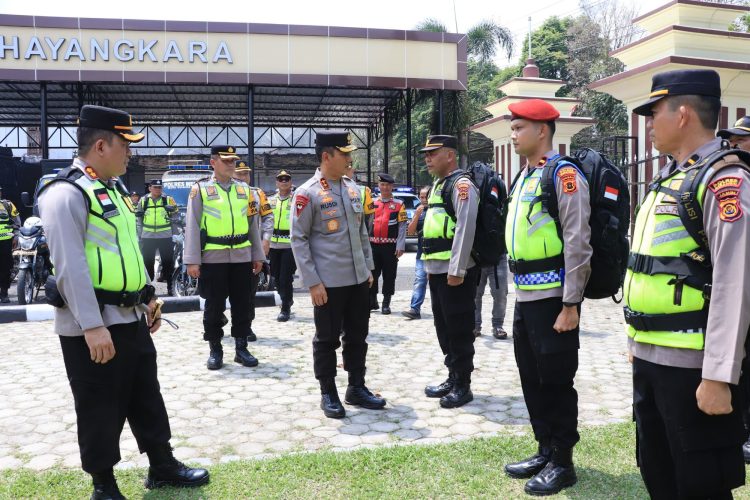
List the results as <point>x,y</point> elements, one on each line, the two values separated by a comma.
<point>536,266</point>
<point>227,240</point>
<point>126,299</point>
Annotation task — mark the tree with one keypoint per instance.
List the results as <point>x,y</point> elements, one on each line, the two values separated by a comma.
<point>614,20</point>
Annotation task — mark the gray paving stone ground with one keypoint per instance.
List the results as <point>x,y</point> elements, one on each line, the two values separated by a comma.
<point>239,412</point>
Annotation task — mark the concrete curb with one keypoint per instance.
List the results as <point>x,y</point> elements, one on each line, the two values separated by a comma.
<point>44,312</point>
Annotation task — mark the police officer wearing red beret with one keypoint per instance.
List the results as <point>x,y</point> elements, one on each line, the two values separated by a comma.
<point>551,268</point>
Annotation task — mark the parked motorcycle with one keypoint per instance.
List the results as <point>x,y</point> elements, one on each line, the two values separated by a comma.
<point>34,261</point>
<point>183,284</point>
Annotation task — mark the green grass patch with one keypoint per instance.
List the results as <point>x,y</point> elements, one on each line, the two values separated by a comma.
<point>466,469</point>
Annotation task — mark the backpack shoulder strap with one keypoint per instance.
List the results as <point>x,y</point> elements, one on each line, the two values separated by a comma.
<point>449,182</point>
<point>70,175</point>
<point>690,207</point>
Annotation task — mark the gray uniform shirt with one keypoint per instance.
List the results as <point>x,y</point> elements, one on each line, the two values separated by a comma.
<point>273,200</point>
<point>192,252</point>
<point>329,235</point>
<point>172,211</point>
<point>64,215</point>
<point>729,308</point>
<point>463,236</point>
<point>575,211</point>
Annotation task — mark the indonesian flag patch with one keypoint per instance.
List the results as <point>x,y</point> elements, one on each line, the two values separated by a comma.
<point>104,200</point>
<point>611,193</point>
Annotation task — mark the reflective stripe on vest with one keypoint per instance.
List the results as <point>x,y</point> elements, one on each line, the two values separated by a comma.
<point>155,215</point>
<point>532,236</point>
<point>6,223</point>
<point>111,241</point>
<point>225,215</point>
<point>439,228</point>
<point>385,223</point>
<point>282,215</point>
<point>659,232</point>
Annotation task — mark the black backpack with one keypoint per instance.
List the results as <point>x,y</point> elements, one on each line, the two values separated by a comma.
<point>489,238</point>
<point>609,221</point>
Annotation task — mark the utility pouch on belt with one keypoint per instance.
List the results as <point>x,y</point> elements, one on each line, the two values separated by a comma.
<point>51,293</point>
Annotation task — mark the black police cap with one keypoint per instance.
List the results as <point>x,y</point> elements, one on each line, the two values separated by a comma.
<point>701,82</point>
<point>439,141</point>
<point>339,140</point>
<point>156,183</point>
<point>386,178</point>
<point>113,120</point>
<point>741,127</point>
<point>225,152</point>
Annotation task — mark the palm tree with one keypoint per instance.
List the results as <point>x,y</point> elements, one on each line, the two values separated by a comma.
<point>483,41</point>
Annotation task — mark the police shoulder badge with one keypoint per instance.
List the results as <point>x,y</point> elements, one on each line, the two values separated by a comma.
<point>726,190</point>
<point>567,176</point>
<point>463,191</point>
<point>300,202</point>
<point>194,191</point>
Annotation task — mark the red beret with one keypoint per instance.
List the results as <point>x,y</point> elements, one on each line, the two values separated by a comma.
<point>535,110</point>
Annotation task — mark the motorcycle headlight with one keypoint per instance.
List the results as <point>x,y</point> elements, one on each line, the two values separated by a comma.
<point>26,243</point>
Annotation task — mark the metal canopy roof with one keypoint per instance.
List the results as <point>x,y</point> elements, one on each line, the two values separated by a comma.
<point>204,104</point>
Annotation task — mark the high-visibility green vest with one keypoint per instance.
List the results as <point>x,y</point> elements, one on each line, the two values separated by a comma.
<point>224,217</point>
<point>660,239</point>
<point>156,215</point>
<point>532,236</point>
<point>439,227</point>
<point>6,221</point>
<point>111,241</point>
<point>282,216</point>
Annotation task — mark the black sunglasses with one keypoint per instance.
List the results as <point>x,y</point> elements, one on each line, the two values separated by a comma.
<point>283,179</point>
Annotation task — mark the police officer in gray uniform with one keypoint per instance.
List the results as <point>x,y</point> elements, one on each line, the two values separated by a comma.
<point>225,255</point>
<point>105,332</point>
<point>332,251</point>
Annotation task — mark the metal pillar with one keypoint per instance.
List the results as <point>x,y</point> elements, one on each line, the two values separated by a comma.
<point>79,90</point>
<point>369,155</point>
<point>251,134</point>
<point>408,139</point>
<point>441,118</point>
<point>386,133</point>
<point>44,146</point>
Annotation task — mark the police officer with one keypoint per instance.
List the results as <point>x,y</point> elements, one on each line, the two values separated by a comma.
<point>282,258</point>
<point>687,350</point>
<point>157,221</point>
<point>739,135</point>
<point>135,198</point>
<point>259,203</point>
<point>223,249</point>
<point>546,316</point>
<point>330,245</point>
<point>388,241</point>
<point>109,310</point>
<point>10,221</point>
<point>452,273</point>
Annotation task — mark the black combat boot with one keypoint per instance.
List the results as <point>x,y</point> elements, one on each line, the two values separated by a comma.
<point>170,288</point>
<point>357,394</point>
<point>242,355</point>
<point>440,390</point>
<point>284,313</point>
<point>165,470</point>
<point>251,337</point>
<point>460,393</point>
<point>4,296</point>
<point>329,399</point>
<point>216,357</point>
<point>105,486</point>
<point>559,473</point>
<point>374,306</point>
<point>386,305</point>
<point>531,466</point>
